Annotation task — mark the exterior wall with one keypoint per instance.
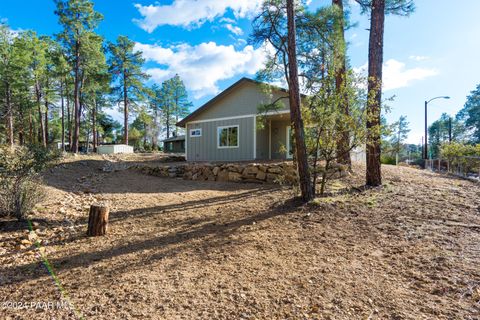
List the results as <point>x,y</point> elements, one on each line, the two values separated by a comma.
<point>243,100</point>
<point>279,139</point>
<point>262,142</point>
<point>204,148</point>
<point>176,146</point>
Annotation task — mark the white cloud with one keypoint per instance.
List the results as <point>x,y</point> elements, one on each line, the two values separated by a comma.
<point>227,20</point>
<point>396,75</point>
<point>192,13</point>
<point>419,58</point>
<point>234,29</point>
<point>202,66</point>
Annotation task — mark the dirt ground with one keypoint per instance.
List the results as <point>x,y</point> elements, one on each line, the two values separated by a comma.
<point>207,250</point>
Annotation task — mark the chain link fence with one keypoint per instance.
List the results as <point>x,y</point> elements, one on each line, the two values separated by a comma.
<point>466,167</point>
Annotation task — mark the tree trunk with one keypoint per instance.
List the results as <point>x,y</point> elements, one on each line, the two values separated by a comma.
<point>21,130</point>
<point>125,108</point>
<point>40,116</point>
<point>167,121</point>
<point>30,128</point>
<point>11,141</point>
<point>375,61</point>
<point>155,130</point>
<point>98,220</point>
<point>295,113</point>
<point>46,120</point>
<point>94,125</point>
<point>63,116</point>
<point>69,122</point>
<point>76,99</point>
<point>343,144</point>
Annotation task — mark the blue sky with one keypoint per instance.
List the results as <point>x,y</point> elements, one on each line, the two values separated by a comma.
<point>434,52</point>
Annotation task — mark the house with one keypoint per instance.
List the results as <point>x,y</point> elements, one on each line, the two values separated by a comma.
<point>226,129</point>
<point>174,144</point>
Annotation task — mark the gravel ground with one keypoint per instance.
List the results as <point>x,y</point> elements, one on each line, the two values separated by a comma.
<point>207,250</point>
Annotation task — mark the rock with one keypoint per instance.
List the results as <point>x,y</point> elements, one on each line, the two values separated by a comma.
<point>187,175</point>
<point>195,177</point>
<point>272,177</point>
<point>223,175</point>
<point>261,175</point>
<point>275,170</point>
<point>32,236</point>
<point>234,177</point>
<point>234,168</point>
<point>216,170</point>
<point>291,179</point>
<point>211,177</point>
<point>26,242</point>
<point>262,168</point>
<point>250,170</point>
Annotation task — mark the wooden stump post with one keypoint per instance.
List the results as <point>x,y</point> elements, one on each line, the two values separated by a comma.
<point>98,220</point>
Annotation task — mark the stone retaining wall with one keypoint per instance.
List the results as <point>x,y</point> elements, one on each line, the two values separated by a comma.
<point>279,173</point>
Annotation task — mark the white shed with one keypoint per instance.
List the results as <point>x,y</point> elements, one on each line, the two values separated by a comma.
<point>114,148</point>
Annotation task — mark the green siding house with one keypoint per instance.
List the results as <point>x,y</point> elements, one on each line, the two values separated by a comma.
<point>225,128</point>
<point>174,144</point>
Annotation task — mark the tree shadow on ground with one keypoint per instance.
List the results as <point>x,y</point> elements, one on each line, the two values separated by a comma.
<point>165,245</point>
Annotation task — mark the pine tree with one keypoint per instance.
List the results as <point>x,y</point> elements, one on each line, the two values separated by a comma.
<point>78,19</point>
<point>343,145</point>
<point>470,114</point>
<point>377,9</point>
<point>178,97</point>
<point>295,114</point>
<point>126,69</point>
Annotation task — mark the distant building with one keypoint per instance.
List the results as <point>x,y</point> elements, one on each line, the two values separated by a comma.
<point>174,144</point>
<point>114,148</point>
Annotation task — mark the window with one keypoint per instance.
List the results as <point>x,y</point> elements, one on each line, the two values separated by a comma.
<point>195,132</point>
<point>227,137</point>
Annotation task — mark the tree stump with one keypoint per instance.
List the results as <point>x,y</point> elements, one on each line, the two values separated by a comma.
<point>98,220</point>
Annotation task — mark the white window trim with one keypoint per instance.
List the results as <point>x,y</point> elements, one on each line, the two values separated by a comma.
<point>289,133</point>
<point>225,127</point>
<point>196,129</point>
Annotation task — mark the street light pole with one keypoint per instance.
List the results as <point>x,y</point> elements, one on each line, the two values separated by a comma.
<point>425,155</point>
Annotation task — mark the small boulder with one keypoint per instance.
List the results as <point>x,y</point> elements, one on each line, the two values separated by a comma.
<point>275,170</point>
<point>234,177</point>
<point>261,176</point>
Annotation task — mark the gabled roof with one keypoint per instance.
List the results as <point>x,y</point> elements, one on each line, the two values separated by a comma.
<point>177,138</point>
<point>225,92</point>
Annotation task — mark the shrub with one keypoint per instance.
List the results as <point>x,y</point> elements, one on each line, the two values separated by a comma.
<point>20,188</point>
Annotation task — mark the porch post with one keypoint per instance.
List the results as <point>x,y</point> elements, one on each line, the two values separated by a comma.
<point>254,137</point>
<point>269,139</point>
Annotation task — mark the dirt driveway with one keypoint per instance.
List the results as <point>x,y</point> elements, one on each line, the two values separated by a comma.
<point>208,250</point>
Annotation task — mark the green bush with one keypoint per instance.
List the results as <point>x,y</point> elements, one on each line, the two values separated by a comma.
<point>461,155</point>
<point>386,159</point>
<point>20,184</point>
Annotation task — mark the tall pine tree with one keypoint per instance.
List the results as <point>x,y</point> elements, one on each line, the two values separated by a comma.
<point>126,69</point>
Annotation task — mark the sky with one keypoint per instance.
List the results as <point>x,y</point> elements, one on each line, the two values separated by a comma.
<point>434,52</point>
